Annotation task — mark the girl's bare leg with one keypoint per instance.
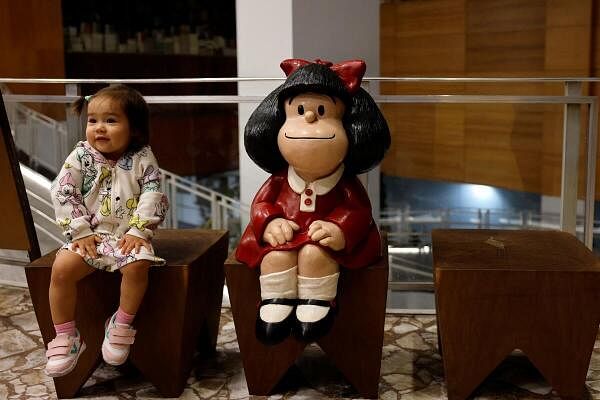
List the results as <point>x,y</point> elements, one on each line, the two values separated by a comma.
<point>133,285</point>
<point>68,269</point>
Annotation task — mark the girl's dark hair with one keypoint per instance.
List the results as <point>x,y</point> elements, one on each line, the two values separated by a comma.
<point>134,106</point>
<point>367,130</point>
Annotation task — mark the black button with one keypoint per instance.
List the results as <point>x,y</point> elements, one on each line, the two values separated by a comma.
<point>118,198</point>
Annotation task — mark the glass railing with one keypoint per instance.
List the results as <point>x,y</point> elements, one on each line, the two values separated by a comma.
<point>408,230</point>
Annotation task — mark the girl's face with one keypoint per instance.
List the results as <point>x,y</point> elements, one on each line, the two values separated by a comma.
<point>312,138</point>
<point>107,127</point>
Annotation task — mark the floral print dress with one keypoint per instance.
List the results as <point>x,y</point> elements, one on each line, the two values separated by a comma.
<point>93,195</point>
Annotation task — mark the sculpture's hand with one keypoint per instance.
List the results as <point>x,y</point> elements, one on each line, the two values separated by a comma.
<point>279,231</point>
<point>328,234</point>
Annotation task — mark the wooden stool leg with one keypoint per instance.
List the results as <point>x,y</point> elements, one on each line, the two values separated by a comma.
<point>474,340</point>
<point>180,304</point>
<point>264,366</point>
<point>356,339</point>
<point>461,383</point>
<point>209,293</point>
<point>563,355</point>
<point>161,324</point>
<point>97,298</point>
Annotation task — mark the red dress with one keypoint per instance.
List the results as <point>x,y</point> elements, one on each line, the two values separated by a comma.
<point>346,204</point>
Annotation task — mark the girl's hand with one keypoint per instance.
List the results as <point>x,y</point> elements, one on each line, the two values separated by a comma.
<point>87,246</point>
<point>328,234</point>
<point>279,231</point>
<point>131,242</point>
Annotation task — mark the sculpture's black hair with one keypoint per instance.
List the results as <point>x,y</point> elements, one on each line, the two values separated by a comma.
<point>367,130</point>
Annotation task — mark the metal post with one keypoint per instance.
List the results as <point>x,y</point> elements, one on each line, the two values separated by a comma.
<point>214,211</point>
<point>568,196</point>
<point>590,191</point>
<point>74,127</point>
<point>225,216</point>
<point>164,187</point>
<point>173,202</point>
<point>524,219</point>
<point>446,218</point>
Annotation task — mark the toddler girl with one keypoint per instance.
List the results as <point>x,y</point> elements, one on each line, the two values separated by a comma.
<point>108,201</point>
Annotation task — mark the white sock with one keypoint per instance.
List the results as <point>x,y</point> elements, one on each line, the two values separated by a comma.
<point>278,285</point>
<point>323,288</point>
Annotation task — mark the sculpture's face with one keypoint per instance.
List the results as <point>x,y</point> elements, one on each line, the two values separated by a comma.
<point>312,138</point>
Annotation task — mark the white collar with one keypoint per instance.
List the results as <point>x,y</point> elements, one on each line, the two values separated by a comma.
<point>320,186</point>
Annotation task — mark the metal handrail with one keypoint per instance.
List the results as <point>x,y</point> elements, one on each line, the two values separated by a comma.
<point>409,79</point>
<point>395,99</point>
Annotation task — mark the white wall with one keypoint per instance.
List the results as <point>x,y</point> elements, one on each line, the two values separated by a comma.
<point>269,31</point>
<point>264,35</point>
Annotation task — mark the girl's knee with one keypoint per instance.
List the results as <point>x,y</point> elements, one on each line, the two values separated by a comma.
<point>68,269</point>
<point>60,276</point>
<point>136,270</point>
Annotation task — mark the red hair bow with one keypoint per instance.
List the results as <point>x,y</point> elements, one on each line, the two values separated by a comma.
<point>350,72</point>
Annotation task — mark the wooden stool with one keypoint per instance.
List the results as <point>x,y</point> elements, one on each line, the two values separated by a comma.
<point>354,343</point>
<point>179,313</point>
<point>496,291</point>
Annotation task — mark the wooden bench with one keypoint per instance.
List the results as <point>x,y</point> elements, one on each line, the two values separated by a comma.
<point>179,314</point>
<point>496,291</point>
<point>354,343</point>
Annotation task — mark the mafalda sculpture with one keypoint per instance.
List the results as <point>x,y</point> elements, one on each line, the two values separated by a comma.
<point>314,134</point>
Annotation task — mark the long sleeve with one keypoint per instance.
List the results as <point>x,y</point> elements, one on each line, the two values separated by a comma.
<point>153,204</point>
<point>69,208</point>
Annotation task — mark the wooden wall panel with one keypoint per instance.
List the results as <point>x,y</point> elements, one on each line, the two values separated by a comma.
<point>31,42</point>
<point>504,36</point>
<point>503,168</point>
<point>568,44</point>
<point>503,145</point>
<point>449,160</point>
<point>427,40</point>
<point>514,146</point>
<point>505,52</point>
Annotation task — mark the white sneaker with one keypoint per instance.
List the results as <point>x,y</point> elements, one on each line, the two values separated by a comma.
<point>118,339</point>
<point>63,352</point>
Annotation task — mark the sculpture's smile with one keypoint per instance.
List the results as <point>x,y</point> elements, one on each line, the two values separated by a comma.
<point>309,137</point>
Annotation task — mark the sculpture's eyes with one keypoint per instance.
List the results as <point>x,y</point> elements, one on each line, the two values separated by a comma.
<point>321,110</point>
<point>301,109</point>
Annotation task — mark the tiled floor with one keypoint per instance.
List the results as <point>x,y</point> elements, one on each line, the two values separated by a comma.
<point>411,367</point>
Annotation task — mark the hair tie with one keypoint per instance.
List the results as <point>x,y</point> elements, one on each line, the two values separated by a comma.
<point>87,98</point>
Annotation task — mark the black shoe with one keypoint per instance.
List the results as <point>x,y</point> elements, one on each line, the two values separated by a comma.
<point>312,331</point>
<point>271,333</point>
